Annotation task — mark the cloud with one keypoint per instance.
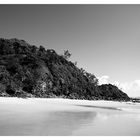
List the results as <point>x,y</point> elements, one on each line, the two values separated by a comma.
<point>103,79</point>
<point>131,88</point>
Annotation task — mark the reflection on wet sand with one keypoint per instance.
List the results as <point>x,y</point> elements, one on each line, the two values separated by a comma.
<point>65,123</point>
<point>49,123</point>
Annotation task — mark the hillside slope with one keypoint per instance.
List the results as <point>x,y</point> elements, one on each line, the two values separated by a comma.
<point>29,71</point>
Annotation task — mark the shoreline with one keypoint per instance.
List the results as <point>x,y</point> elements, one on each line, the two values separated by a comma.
<point>87,104</point>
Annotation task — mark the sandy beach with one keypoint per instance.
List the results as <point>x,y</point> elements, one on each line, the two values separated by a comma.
<point>59,117</point>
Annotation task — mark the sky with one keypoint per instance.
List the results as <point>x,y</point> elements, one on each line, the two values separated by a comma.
<point>103,39</point>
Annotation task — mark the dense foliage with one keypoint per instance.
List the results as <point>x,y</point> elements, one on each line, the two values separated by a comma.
<point>29,71</point>
<point>111,92</point>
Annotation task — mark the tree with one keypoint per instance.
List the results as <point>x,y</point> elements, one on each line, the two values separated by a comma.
<point>42,49</point>
<point>82,71</point>
<point>92,78</point>
<point>66,55</point>
<point>75,63</point>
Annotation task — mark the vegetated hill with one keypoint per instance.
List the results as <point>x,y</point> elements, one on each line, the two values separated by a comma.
<point>29,71</point>
<point>111,92</point>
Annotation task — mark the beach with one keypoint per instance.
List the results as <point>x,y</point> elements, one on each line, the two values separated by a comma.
<point>66,117</point>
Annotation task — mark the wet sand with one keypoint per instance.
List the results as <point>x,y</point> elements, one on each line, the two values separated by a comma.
<point>60,117</point>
